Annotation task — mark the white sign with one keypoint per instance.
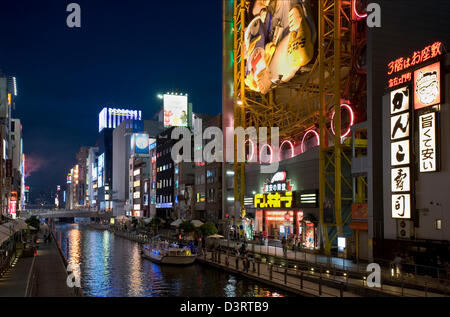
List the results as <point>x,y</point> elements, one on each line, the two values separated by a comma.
<point>400,179</point>
<point>400,126</point>
<point>400,153</point>
<point>399,100</point>
<point>427,142</point>
<point>175,110</point>
<point>401,206</point>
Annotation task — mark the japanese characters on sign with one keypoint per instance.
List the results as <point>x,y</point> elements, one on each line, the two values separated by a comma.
<point>401,206</point>
<point>399,100</point>
<point>273,200</point>
<point>427,143</point>
<point>427,86</point>
<point>400,153</point>
<point>401,67</point>
<point>401,178</point>
<point>402,64</point>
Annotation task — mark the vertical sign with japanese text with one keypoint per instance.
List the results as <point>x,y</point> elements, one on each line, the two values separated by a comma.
<point>427,143</point>
<point>400,152</point>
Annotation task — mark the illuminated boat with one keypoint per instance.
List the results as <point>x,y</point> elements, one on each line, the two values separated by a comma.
<point>164,253</point>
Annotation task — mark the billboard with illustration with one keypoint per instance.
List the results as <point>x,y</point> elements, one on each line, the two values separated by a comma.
<point>140,144</point>
<point>279,40</point>
<point>175,110</point>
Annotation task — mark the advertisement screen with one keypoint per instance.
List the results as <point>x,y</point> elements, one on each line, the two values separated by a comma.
<point>101,166</point>
<point>279,39</point>
<point>175,110</point>
<point>140,144</point>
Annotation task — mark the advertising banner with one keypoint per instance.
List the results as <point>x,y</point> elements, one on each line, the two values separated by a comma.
<point>427,143</point>
<point>279,39</point>
<point>140,144</point>
<point>175,110</point>
<point>427,86</point>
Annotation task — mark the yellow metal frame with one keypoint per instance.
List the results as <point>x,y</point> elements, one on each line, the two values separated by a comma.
<point>303,102</point>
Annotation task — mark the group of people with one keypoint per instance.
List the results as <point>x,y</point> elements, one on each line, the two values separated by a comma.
<point>405,263</point>
<point>243,252</point>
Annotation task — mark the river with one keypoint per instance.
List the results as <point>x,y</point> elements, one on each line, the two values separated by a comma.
<point>112,266</point>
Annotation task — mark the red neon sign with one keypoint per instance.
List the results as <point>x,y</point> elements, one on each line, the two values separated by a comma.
<point>352,120</point>
<point>355,10</point>
<point>281,146</point>
<point>401,64</point>
<point>304,136</point>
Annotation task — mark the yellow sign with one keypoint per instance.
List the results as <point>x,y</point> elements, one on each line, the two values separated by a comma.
<point>273,200</point>
<point>9,99</point>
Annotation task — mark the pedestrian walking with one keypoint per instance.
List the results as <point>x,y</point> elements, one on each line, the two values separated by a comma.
<point>284,245</point>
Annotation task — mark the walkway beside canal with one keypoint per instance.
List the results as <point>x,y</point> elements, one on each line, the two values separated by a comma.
<point>14,282</point>
<point>43,275</point>
<point>51,275</point>
<point>303,282</point>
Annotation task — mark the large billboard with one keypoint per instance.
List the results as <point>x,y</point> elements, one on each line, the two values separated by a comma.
<point>175,110</point>
<point>140,144</point>
<point>279,39</point>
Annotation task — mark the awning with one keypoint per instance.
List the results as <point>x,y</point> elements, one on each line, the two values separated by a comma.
<point>197,223</point>
<point>176,223</point>
<point>3,237</point>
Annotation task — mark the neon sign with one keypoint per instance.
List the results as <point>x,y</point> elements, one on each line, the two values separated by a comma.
<point>402,64</point>
<point>304,137</point>
<point>352,120</point>
<point>274,200</point>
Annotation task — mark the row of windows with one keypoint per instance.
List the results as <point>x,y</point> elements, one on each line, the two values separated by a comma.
<point>164,152</point>
<point>163,199</point>
<point>164,167</point>
<point>162,183</point>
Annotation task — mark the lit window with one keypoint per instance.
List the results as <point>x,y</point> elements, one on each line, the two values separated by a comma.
<point>438,224</point>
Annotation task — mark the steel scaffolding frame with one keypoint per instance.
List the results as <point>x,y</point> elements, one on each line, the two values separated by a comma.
<point>304,103</point>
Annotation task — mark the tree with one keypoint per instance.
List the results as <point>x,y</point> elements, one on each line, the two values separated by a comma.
<point>33,221</point>
<point>208,229</point>
<point>155,223</point>
<point>134,222</point>
<point>187,226</point>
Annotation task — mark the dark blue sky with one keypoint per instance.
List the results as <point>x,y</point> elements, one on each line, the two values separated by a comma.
<point>124,54</point>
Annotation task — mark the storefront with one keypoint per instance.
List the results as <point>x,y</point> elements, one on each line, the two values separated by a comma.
<point>279,214</point>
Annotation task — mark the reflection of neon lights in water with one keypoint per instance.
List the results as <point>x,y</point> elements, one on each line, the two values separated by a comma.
<point>114,268</point>
<point>74,252</point>
<point>136,287</point>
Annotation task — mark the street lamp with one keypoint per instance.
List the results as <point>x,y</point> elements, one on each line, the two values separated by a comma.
<point>160,96</point>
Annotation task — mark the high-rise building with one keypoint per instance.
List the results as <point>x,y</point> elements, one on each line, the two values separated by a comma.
<point>92,178</point>
<point>109,119</point>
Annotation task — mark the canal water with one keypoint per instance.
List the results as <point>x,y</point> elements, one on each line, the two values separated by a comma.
<point>112,266</point>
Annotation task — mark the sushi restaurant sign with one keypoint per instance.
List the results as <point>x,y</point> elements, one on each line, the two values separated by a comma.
<point>276,193</point>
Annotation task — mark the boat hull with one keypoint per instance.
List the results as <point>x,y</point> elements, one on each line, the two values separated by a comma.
<point>167,259</point>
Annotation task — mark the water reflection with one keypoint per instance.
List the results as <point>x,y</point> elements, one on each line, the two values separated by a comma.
<point>113,266</point>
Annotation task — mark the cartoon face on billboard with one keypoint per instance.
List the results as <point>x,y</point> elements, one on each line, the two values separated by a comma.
<point>427,86</point>
<point>279,39</point>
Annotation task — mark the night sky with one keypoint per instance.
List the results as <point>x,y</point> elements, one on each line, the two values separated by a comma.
<point>124,54</point>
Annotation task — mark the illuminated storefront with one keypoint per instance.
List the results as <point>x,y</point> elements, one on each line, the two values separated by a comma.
<point>279,213</point>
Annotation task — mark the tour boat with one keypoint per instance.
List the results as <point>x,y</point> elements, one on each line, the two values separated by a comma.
<point>168,254</point>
